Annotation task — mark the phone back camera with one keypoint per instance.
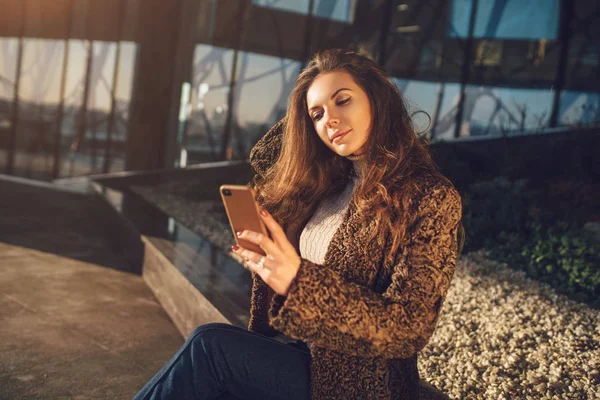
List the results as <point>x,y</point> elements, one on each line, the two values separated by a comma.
<point>226,192</point>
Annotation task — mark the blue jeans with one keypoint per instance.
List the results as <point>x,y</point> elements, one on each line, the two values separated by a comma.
<point>220,361</point>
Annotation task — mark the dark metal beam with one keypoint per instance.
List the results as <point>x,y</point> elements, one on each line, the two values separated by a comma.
<point>155,85</point>
<point>307,35</point>
<point>226,138</point>
<point>12,143</point>
<point>494,21</point>
<point>386,23</point>
<point>466,68</point>
<point>61,106</point>
<point>113,93</point>
<point>566,14</point>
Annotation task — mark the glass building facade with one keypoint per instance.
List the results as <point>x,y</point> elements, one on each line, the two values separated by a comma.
<point>477,68</point>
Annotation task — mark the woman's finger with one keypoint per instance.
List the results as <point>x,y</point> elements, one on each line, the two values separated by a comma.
<point>249,255</point>
<point>253,263</point>
<point>277,232</point>
<point>261,240</point>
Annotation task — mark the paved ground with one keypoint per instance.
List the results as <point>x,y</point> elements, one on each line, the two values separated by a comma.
<point>73,323</point>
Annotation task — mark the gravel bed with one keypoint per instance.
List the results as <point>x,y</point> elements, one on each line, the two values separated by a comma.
<point>206,218</point>
<point>501,335</point>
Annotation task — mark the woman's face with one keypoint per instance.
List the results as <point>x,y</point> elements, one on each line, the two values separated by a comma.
<point>340,111</point>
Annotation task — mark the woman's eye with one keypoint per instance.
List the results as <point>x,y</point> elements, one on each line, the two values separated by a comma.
<point>343,101</point>
<point>317,116</point>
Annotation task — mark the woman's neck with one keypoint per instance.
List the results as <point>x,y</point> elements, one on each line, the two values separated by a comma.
<point>359,162</point>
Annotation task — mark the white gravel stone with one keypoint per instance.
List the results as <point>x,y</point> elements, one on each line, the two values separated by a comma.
<point>515,338</point>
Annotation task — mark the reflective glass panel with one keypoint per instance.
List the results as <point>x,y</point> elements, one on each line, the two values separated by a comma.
<point>72,162</point>
<point>422,99</point>
<point>123,88</point>
<point>39,96</point>
<point>579,108</point>
<point>505,111</point>
<point>210,87</point>
<point>506,19</point>
<point>99,103</point>
<point>263,86</point>
<point>446,119</point>
<point>83,149</point>
<point>335,10</point>
<point>297,6</point>
<point>8,70</point>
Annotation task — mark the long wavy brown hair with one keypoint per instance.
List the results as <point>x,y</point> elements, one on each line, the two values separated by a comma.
<point>307,171</point>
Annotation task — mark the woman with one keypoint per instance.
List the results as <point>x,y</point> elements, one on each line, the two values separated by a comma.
<point>364,238</point>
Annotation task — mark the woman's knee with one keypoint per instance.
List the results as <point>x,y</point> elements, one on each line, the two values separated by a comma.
<point>210,326</point>
<point>204,339</point>
<point>213,339</point>
<point>214,331</point>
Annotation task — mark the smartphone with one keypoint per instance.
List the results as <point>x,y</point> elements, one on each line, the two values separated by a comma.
<point>243,213</point>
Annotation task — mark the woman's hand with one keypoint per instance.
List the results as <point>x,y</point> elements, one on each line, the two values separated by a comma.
<point>281,264</point>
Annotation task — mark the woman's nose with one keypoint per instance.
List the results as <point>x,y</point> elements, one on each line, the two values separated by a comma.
<point>332,121</point>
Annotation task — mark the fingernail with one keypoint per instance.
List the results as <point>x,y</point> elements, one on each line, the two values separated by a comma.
<point>263,212</point>
<point>235,247</point>
<point>238,233</point>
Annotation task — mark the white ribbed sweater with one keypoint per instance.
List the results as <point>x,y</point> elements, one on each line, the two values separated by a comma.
<point>324,223</point>
<point>318,232</point>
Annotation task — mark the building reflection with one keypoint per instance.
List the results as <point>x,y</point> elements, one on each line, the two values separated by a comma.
<point>74,91</point>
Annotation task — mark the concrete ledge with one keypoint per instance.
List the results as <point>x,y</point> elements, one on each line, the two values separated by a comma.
<point>194,281</point>
<point>182,302</point>
<point>77,186</point>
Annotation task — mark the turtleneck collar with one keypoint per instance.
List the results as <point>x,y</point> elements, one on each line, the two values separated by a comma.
<point>359,162</point>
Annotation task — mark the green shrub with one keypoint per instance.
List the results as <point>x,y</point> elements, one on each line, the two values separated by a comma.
<point>562,255</point>
<point>503,217</point>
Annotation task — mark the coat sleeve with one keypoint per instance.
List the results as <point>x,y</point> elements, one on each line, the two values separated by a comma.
<point>259,308</point>
<point>323,309</point>
<point>262,156</point>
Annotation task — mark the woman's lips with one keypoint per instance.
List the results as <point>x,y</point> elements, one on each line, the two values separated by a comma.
<point>340,137</point>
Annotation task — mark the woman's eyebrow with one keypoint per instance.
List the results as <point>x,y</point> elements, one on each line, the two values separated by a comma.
<point>332,96</point>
